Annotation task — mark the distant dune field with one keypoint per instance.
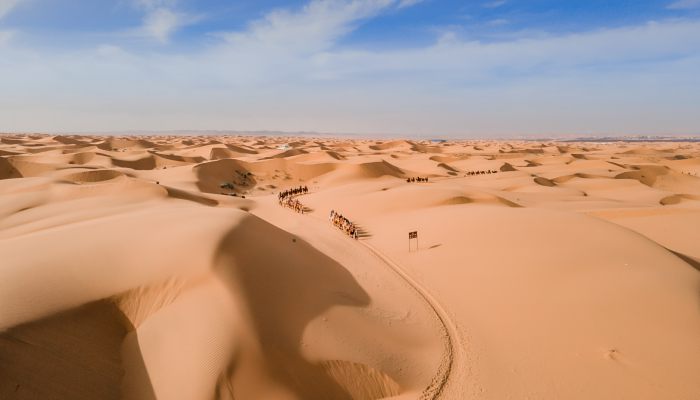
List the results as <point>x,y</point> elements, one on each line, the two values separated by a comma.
<point>163,267</point>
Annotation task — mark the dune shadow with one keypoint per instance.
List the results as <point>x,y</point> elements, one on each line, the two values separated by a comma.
<point>75,354</point>
<point>285,283</point>
<point>688,259</point>
<point>189,196</point>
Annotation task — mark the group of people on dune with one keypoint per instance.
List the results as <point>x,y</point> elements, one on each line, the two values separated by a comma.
<point>343,224</point>
<point>481,172</point>
<point>293,192</point>
<point>293,204</point>
<point>419,179</point>
<point>286,198</point>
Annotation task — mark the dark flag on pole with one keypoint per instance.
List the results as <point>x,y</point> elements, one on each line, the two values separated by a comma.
<point>412,235</point>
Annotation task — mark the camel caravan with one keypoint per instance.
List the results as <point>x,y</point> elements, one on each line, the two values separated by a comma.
<point>419,179</point>
<point>343,224</point>
<point>293,192</point>
<point>481,172</point>
<point>286,198</point>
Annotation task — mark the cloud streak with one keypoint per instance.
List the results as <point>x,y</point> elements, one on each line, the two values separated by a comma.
<point>495,4</point>
<point>684,5</point>
<point>161,19</point>
<point>6,6</point>
<point>161,23</point>
<point>315,27</point>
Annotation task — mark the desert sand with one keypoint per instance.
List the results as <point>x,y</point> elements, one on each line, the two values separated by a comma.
<point>163,267</point>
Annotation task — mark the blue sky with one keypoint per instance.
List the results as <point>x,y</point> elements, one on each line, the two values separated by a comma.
<point>414,67</point>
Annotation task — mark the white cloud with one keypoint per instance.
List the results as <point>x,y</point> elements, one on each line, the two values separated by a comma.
<point>315,27</point>
<point>408,3</point>
<point>160,23</point>
<point>472,61</point>
<point>152,4</point>
<point>684,5</point>
<point>6,6</point>
<point>498,22</point>
<point>162,19</point>
<point>5,37</point>
<point>495,4</point>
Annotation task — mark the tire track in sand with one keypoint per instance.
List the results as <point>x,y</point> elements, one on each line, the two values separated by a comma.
<point>448,328</point>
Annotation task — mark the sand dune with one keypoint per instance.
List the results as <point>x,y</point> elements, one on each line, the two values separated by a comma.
<point>8,170</point>
<point>288,153</point>
<point>92,176</point>
<point>392,145</point>
<point>131,271</point>
<point>507,167</point>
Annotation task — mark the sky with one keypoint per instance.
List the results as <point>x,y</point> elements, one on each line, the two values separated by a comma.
<point>483,68</point>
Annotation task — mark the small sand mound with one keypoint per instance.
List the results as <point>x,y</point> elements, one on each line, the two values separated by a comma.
<point>647,174</point>
<point>180,159</point>
<point>123,143</point>
<point>677,199</point>
<point>10,153</point>
<point>218,153</point>
<point>380,168</point>
<point>566,178</point>
<point>422,148</point>
<point>297,143</point>
<point>507,167</point>
<point>82,158</point>
<point>288,153</point>
<point>671,200</point>
<point>7,170</point>
<point>144,163</point>
<point>26,167</point>
<point>448,167</point>
<point>335,155</point>
<point>93,176</point>
<point>645,151</point>
<point>447,159</point>
<point>457,200</point>
<point>391,145</point>
<point>153,161</point>
<point>211,175</point>
<point>507,202</point>
<point>544,181</point>
<point>525,151</point>
<point>8,140</point>
<point>69,140</point>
